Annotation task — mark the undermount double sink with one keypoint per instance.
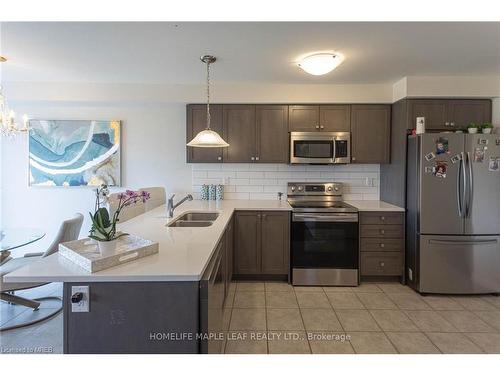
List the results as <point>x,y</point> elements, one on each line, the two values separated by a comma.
<point>195,219</point>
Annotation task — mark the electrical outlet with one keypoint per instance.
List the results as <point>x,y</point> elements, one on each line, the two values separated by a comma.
<point>80,298</point>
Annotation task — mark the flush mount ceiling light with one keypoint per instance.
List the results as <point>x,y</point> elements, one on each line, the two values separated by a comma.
<point>320,63</point>
<point>208,137</point>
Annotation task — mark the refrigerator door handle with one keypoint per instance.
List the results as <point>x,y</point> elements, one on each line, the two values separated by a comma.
<point>459,179</point>
<point>464,179</point>
<point>458,242</point>
<point>471,187</point>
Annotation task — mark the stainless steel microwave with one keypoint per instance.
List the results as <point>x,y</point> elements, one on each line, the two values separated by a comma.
<point>320,147</point>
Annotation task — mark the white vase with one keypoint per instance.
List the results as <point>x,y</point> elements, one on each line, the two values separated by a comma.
<point>107,247</point>
<point>487,131</point>
<point>472,130</point>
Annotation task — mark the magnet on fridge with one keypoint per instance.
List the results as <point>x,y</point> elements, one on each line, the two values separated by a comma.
<point>428,169</point>
<point>497,142</point>
<point>439,169</point>
<point>442,146</point>
<point>456,158</point>
<point>482,141</point>
<point>494,164</point>
<point>430,156</point>
<point>478,155</point>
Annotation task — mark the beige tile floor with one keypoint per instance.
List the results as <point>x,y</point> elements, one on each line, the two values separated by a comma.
<point>372,318</point>
<point>274,317</point>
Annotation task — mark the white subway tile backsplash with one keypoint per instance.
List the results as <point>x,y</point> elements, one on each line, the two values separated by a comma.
<point>264,181</point>
<point>252,174</point>
<point>249,189</point>
<point>236,195</point>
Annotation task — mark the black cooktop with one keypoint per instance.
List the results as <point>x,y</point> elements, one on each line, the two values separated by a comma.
<point>322,205</point>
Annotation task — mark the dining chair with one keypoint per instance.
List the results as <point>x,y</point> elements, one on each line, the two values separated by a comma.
<point>68,231</point>
<point>157,198</point>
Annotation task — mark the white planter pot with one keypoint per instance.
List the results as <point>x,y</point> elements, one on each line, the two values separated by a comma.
<point>487,131</point>
<point>107,247</point>
<point>472,130</point>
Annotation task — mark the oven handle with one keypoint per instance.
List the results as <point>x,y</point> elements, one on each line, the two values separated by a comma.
<point>333,218</point>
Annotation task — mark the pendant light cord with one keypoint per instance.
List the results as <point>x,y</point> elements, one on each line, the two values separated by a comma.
<point>208,95</point>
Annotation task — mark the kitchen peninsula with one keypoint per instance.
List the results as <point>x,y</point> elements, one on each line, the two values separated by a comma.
<point>174,291</point>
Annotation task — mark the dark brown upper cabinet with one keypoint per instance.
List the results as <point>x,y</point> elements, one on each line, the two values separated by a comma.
<point>461,112</point>
<point>311,118</point>
<point>303,118</point>
<point>335,118</point>
<point>239,132</point>
<point>448,114</point>
<point>196,122</point>
<point>434,112</point>
<point>370,133</point>
<point>272,134</point>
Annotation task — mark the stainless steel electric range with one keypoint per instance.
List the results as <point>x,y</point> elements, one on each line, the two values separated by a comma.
<point>324,235</point>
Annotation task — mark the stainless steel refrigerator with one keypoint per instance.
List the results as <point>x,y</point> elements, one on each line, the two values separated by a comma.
<point>453,213</point>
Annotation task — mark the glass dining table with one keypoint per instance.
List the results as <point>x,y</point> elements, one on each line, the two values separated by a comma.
<point>13,238</point>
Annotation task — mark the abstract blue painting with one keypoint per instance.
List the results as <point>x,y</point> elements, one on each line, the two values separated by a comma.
<point>74,153</point>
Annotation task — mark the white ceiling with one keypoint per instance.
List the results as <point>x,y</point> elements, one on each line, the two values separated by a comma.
<point>167,53</point>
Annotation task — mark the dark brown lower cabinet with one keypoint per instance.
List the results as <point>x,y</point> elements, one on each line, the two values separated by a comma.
<point>229,241</point>
<point>382,244</point>
<point>262,243</point>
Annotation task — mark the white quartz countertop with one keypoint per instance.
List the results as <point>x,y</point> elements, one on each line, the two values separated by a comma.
<point>375,206</point>
<point>183,253</point>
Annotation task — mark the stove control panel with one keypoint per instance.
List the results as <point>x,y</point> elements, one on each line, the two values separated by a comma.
<point>312,188</point>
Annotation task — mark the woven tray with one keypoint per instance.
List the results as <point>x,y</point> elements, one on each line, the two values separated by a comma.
<point>85,252</point>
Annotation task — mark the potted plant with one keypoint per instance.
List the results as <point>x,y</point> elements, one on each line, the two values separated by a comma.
<point>486,128</point>
<point>472,128</point>
<point>103,229</point>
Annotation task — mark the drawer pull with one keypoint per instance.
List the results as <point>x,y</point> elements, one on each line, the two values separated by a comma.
<point>382,218</point>
<point>382,231</point>
<point>382,245</point>
<point>382,264</point>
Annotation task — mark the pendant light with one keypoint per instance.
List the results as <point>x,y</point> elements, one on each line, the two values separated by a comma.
<point>208,137</point>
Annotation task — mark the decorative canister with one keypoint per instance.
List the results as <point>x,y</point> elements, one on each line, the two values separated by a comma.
<point>220,192</point>
<point>204,192</point>
<point>212,192</point>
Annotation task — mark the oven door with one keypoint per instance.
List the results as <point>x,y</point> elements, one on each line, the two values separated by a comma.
<point>325,240</point>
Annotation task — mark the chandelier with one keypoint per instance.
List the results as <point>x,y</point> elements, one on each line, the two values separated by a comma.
<point>8,124</point>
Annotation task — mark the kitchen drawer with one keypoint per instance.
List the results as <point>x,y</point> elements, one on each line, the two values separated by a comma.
<point>382,231</point>
<point>381,218</point>
<point>381,244</point>
<point>381,264</point>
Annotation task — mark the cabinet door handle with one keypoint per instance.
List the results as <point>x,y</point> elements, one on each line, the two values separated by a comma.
<point>252,158</point>
<point>452,124</point>
<point>317,126</point>
<point>353,158</point>
<point>382,245</point>
<point>382,264</point>
<point>322,127</point>
<point>219,157</point>
<point>382,218</point>
<point>382,231</point>
<point>256,158</point>
<point>446,124</point>
<point>264,216</point>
